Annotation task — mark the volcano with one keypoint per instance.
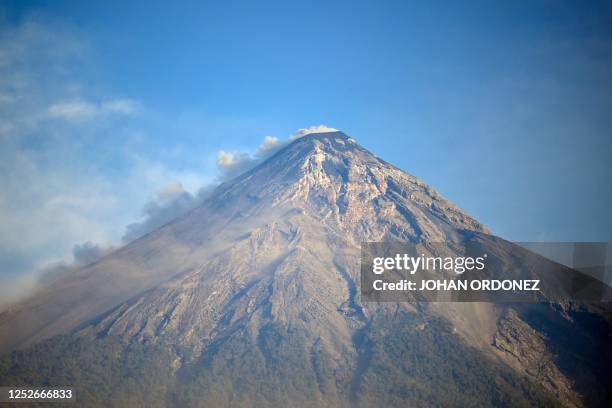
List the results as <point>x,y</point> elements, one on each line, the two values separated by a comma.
<point>252,299</point>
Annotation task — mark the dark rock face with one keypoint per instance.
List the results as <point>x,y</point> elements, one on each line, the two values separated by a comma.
<point>252,299</point>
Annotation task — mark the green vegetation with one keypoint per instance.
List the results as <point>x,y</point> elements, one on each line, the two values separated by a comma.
<point>431,367</point>
<point>269,368</point>
<point>102,371</point>
<point>399,365</point>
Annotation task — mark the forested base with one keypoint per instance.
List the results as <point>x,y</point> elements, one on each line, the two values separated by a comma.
<point>273,368</point>
<point>428,366</point>
<point>400,364</point>
<point>102,372</point>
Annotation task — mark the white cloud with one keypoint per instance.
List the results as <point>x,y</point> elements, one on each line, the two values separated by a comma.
<point>226,160</point>
<point>121,106</point>
<point>170,191</point>
<point>78,110</point>
<point>232,164</point>
<point>312,129</point>
<point>171,202</point>
<point>74,110</point>
<point>269,144</point>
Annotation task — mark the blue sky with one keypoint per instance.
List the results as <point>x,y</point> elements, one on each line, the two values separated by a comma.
<point>503,107</point>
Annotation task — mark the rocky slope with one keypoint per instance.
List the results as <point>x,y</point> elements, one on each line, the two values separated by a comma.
<point>252,299</point>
